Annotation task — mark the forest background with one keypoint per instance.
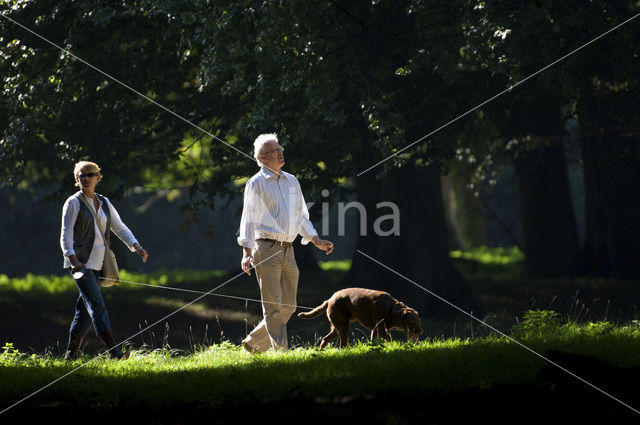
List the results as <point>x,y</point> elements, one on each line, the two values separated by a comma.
<point>549,167</point>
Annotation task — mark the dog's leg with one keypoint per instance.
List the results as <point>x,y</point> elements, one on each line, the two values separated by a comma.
<point>344,336</point>
<point>375,333</point>
<point>378,330</point>
<point>329,337</point>
<point>386,335</point>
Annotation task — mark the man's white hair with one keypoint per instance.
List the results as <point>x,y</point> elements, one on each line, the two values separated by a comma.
<point>260,141</point>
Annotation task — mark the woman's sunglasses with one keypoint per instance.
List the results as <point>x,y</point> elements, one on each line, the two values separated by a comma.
<point>81,175</point>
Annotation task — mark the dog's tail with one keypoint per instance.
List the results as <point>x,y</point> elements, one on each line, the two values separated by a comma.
<point>315,312</point>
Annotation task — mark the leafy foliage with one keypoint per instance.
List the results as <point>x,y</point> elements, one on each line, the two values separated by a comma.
<point>344,84</point>
<point>538,323</point>
<point>547,324</point>
<point>9,353</point>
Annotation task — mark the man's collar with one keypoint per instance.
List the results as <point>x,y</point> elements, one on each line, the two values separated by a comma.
<point>266,172</point>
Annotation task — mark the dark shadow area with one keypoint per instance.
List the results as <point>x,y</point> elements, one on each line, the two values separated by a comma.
<point>552,400</point>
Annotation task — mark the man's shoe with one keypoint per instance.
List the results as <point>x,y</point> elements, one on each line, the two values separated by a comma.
<point>249,348</point>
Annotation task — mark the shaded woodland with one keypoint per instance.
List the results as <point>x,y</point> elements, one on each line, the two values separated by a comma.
<point>346,85</point>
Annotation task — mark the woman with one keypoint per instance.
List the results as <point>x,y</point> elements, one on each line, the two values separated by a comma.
<point>83,246</point>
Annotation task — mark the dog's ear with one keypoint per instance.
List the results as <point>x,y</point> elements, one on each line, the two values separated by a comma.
<point>414,314</point>
<point>412,311</point>
<point>407,313</point>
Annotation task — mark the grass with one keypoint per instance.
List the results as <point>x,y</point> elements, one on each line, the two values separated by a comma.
<point>225,371</point>
<point>494,261</point>
<point>213,373</point>
<point>54,284</point>
<point>487,255</point>
<point>489,263</point>
<point>502,262</point>
<point>338,265</point>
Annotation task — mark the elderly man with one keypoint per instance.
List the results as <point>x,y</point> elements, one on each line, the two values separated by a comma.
<point>274,213</point>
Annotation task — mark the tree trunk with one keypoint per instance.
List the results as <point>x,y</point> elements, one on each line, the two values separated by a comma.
<point>467,209</point>
<point>612,192</point>
<point>456,240</point>
<point>363,272</point>
<point>550,232</point>
<point>420,251</point>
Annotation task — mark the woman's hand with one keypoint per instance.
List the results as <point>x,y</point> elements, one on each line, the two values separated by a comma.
<point>141,252</point>
<point>75,264</point>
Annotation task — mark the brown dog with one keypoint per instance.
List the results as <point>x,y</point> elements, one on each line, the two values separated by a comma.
<point>376,310</point>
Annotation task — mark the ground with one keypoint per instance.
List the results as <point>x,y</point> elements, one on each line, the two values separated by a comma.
<point>562,402</point>
<point>40,323</point>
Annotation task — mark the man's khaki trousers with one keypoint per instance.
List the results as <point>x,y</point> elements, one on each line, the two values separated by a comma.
<point>277,275</point>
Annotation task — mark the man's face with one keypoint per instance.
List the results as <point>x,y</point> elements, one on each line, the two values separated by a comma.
<point>272,155</point>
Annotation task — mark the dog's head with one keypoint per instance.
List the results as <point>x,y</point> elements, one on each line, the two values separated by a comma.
<point>407,319</point>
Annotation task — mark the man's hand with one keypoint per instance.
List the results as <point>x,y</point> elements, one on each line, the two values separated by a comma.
<point>324,245</point>
<point>141,252</point>
<point>246,264</point>
<point>247,259</point>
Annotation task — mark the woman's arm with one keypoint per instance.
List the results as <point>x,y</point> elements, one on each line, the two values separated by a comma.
<point>69,216</point>
<point>122,231</point>
<point>119,228</point>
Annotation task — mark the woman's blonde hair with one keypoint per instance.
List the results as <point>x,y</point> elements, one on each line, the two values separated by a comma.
<point>93,167</point>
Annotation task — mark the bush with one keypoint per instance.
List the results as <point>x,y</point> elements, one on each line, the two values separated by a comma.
<point>537,323</point>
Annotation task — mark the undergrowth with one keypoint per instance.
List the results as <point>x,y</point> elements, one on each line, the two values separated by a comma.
<point>225,371</point>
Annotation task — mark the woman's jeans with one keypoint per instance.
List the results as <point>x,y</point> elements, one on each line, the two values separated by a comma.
<point>90,307</point>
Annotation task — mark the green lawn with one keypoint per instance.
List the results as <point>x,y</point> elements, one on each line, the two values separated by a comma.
<point>225,371</point>
<point>218,371</point>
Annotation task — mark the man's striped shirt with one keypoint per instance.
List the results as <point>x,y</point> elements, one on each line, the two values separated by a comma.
<point>274,208</point>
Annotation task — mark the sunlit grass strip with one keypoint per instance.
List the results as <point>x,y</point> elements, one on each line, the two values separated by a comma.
<point>338,265</point>
<point>493,256</point>
<point>40,283</point>
<point>62,283</point>
<point>226,372</point>
<point>173,277</point>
